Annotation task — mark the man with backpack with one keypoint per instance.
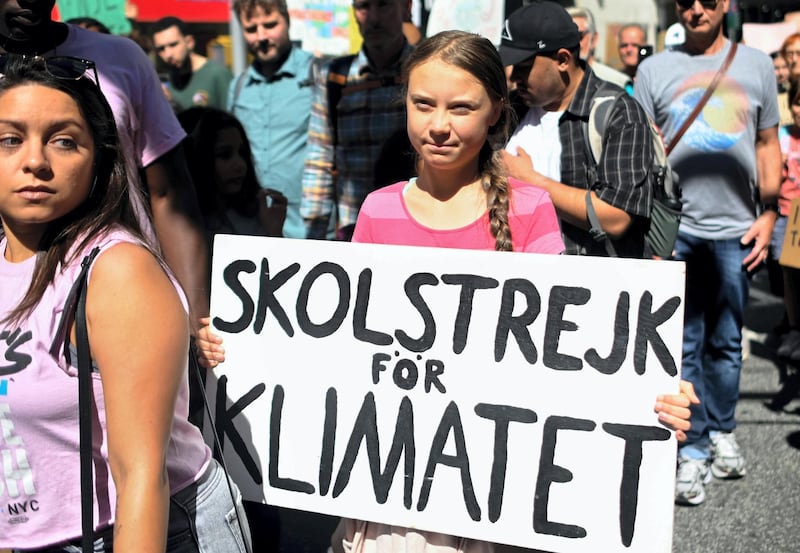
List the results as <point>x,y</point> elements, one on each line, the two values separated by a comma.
<point>729,161</point>
<point>272,99</point>
<point>550,147</point>
<point>357,138</point>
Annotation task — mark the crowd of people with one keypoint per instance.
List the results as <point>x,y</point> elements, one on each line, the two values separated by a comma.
<point>123,181</point>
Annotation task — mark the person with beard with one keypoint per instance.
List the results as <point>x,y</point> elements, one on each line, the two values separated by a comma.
<point>357,136</point>
<point>272,99</point>
<point>150,135</point>
<point>192,79</point>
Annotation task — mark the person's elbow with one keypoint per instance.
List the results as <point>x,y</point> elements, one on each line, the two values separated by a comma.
<point>615,221</point>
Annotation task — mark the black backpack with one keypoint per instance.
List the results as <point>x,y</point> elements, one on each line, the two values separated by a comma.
<point>665,214</point>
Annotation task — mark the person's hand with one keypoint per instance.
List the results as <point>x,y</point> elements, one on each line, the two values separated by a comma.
<point>759,235</point>
<point>210,352</point>
<point>519,166</point>
<point>272,207</point>
<point>674,409</point>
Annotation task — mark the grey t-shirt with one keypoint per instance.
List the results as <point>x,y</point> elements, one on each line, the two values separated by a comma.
<point>716,158</point>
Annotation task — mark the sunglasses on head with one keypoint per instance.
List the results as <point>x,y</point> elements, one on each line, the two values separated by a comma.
<point>65,68</point>
<point>707,4</point>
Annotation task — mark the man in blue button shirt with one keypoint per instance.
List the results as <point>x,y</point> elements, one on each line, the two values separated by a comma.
<point>272,99</point>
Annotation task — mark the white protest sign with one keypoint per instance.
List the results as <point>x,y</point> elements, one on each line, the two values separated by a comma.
<point>484,17</point>
<point>500,396</point>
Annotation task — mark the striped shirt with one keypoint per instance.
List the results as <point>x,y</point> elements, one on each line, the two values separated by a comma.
<point>385,219</point>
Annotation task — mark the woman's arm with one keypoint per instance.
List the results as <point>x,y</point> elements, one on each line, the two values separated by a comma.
<point>138,333</point>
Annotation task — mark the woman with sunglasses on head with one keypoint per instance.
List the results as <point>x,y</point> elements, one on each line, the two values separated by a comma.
<point>63,193</point>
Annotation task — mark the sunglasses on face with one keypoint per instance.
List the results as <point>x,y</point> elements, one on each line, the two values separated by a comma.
<point>706,4</point>
<point>65,68</point>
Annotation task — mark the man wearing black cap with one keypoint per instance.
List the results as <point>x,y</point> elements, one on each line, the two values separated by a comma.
<point>542,43</point>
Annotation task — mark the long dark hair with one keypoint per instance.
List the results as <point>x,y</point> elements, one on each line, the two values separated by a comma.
<point>478,56</point>
<point>202,126</point>
<point>108,203</point>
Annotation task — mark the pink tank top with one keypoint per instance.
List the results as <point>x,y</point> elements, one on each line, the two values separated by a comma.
<point>39,445</point>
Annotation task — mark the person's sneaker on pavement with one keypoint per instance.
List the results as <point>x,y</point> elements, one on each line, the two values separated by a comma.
<point>690,485</point>
<point>726,458</point>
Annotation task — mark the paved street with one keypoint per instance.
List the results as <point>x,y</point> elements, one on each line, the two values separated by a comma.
<point>761,512</point>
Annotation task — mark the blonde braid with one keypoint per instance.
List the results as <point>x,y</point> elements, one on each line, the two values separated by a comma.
<point>495,184</point>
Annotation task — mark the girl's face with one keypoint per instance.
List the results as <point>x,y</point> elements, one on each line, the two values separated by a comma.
<point>781,69</point>
<point>449,115</point>
<point>230,165</point>
<point>46,156</point>
<point>795,107</point>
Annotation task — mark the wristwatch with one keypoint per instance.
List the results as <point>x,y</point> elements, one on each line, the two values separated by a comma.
<point>773,206</point>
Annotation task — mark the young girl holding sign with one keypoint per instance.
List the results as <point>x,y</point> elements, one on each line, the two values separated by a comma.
<point>457,120</point>
<point>458,111</point>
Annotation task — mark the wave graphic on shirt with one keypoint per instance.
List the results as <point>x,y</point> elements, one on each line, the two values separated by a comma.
<point>723,120</point>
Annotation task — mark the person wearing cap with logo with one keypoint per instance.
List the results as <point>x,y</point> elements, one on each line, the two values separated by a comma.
<point>729,161</point>
<point>542,43</point>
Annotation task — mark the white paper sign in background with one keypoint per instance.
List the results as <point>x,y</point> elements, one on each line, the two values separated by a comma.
<point>500,396</point>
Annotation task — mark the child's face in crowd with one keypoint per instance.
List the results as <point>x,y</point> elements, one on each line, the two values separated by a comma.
<point>449,115</point>
<point>795,107</point>
<point>230,165</point>
<point>46,156</point>
<point>781,69</point>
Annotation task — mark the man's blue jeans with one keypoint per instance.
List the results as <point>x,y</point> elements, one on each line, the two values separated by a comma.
<point>717,287</point>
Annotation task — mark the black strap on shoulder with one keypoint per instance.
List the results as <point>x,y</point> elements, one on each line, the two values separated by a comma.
<point>77,297</point>
<point>338,70</point>
<point>85,401</point>
<point>599,116</point>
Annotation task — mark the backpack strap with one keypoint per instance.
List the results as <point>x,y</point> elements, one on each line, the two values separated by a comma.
<point>594,130</point>
<point>338,70</point>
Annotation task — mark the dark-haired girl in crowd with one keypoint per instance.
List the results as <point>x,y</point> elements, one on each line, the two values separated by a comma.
<point>221,163</point>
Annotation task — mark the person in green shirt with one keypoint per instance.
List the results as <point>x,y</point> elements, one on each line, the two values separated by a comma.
<point>190,79</point>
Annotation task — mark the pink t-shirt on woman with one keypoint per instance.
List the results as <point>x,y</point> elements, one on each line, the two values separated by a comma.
<point>39,444</point>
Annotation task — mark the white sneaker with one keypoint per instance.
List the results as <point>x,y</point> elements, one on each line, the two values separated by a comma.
<point>727,460</point>
<point>690,486</point>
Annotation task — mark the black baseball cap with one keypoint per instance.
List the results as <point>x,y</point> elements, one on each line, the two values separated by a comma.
<point>541,26</point>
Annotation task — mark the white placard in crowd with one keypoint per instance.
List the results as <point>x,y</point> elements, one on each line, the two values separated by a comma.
<point>500,396</point>
<point>484,17</point>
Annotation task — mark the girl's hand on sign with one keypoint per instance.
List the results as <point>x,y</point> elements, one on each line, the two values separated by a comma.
<point>210,352</point>
<point>674,409</point>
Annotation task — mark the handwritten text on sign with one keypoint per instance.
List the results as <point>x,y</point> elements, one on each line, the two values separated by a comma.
<point>504,397</point>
